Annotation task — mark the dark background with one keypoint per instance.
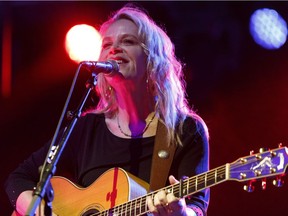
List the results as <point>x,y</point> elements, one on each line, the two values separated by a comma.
<point>239,88</point>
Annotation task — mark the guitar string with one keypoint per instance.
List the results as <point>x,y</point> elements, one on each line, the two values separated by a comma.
<point>205,176</point>
<point>140,199</point>
<point>170,187</point>
<point>210,175</point>
<point>141,206</point>
<point>201,178</point>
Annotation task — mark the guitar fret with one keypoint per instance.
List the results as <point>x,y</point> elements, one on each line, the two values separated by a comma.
<point>128,212</point>
<point>116,210</point>
<point>186,187</point>
<point>205,180</point>
<point>122,210</point>
<point>113,211</point>
<point>144,207</point>
<point>137,206</point>
<point>201,182</point>
<point>134,207</point>
<point>211,178</point>
<point>130,209</point>
<point>222,175</point>
<point>126,208</point>
<point>192,185</point>
<point>196,183</point>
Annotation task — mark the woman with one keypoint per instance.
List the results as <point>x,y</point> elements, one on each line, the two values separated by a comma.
<point>120,131</point>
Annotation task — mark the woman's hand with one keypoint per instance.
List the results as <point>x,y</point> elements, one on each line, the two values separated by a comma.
<point>23,202</point>
<point>167,204</point>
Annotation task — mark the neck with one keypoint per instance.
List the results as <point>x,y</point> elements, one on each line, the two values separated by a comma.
<point>135,111</point>
<point>134,104</point>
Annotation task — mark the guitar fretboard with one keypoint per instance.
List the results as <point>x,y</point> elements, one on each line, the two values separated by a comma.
<point>184,188</point>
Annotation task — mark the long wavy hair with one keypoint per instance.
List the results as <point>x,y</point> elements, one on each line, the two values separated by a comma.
<point>164,72</point>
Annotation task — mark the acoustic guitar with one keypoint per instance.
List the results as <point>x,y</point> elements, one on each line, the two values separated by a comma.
<point>116,192</point>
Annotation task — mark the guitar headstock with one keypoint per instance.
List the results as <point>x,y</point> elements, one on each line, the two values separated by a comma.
<point>260,166</point>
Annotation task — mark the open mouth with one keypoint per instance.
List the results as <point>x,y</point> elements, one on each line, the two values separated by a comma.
<point>120,61</point>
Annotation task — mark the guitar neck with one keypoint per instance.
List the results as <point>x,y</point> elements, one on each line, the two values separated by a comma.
<point>271,163</point>
<point>183,189</point>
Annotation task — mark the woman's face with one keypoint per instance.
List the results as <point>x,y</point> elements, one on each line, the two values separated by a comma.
<point>121,43</point>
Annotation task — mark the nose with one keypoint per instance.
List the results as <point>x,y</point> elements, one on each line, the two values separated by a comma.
<point>115,48</point>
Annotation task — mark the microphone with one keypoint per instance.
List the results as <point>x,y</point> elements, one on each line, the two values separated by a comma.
<point>109,67</point>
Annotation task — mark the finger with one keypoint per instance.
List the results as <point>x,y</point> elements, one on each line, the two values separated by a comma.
<point>177,205</point>
<point>172,180</point>
<point>161,209</point>
<point>160,199</point>
<point>151,206</point>
<point>171,198</point>
<point>161,203</point>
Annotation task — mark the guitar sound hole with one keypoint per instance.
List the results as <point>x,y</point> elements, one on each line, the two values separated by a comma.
<point>90,212</point>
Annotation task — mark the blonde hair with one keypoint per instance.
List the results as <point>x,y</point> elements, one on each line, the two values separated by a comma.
<point>164,72</point>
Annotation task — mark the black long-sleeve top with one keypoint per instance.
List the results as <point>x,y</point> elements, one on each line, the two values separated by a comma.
<point>92,149</point>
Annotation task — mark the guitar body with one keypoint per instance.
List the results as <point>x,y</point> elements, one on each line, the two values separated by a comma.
<point>112,188</point>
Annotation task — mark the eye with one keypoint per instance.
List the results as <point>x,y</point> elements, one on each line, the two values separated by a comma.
<point>106,45</point>
<point>129,42</point>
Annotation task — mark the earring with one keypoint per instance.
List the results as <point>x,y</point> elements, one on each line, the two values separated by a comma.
<point>147,84</point>
<point>108,92</point>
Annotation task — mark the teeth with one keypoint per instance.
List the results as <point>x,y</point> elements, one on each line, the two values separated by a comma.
<point>119,61</point>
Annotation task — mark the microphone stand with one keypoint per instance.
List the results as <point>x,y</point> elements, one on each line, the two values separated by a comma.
<point>44,188</point>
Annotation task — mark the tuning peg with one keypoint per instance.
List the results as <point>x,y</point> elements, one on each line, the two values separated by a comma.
<point>261,150</point>
<point>263,185</point>
<point>69,115</point>
<point>278,182</point>
<point>249,187</point>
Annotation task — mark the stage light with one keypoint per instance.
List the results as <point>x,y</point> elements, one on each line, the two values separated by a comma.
<point>268,28</point>
<point>83,43</point>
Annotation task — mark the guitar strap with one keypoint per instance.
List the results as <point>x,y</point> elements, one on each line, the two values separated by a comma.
<point>162,158</point>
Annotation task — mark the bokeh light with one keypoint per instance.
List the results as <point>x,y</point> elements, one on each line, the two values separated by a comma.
<point>83,43</point>
<point>268,28</point>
